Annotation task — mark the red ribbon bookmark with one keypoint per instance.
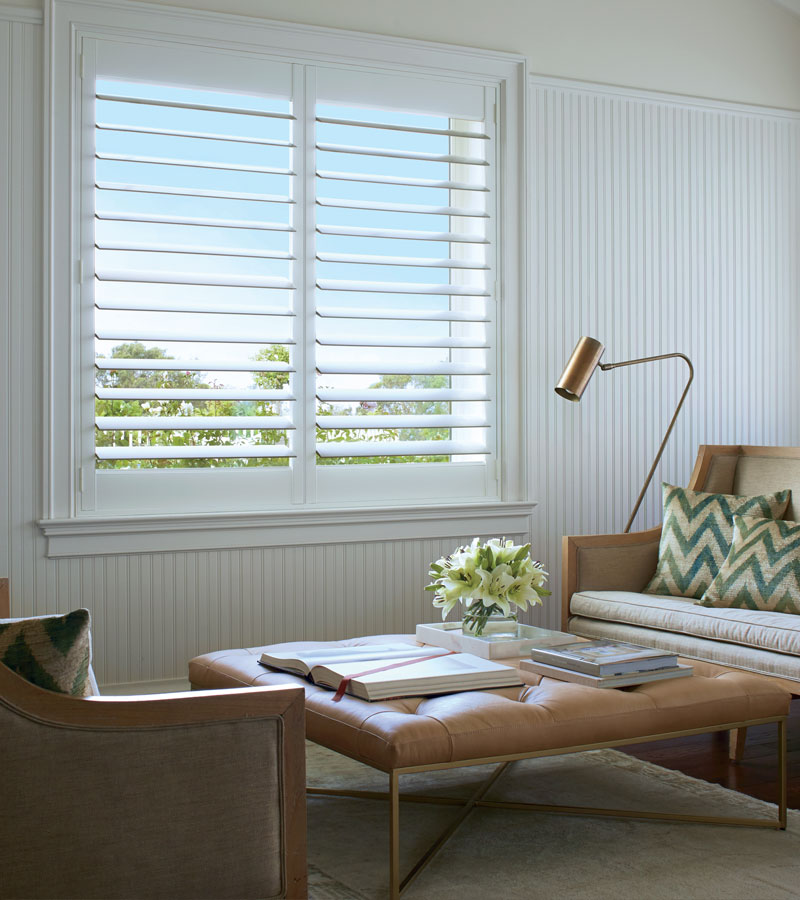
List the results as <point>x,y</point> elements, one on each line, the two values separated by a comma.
<point>406,662</point>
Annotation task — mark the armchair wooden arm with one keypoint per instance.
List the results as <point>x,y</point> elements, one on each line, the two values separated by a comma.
<point>606,562</point>
<point>179,795</point>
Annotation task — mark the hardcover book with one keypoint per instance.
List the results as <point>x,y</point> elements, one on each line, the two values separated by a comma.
<point>605,657</point>
<point>609,681</point>
<point>380,671</point>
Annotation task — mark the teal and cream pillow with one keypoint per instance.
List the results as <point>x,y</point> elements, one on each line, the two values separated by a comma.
<point>697,533</point>
<point>52,652</point>
<point>762,570</point>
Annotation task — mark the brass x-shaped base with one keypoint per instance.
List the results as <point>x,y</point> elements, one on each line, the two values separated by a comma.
<point>393,795</point>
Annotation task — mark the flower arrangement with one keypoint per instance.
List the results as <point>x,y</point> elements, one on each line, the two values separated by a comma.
<point>487,578</point>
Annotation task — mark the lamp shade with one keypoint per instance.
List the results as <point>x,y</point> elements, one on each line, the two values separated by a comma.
<point>579,369</point>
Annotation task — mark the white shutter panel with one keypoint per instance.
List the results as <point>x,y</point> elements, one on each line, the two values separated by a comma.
<point>405,263</point>
<point>194,277</point>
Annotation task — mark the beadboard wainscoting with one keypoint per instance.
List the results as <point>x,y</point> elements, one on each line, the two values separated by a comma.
<point>659,224</point>
<point>151,613</point>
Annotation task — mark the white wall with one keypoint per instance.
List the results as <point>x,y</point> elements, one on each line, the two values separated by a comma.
<point>745,50</point>
<point>658,224</point>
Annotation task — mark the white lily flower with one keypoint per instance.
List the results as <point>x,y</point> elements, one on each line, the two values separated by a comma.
<point>521,594</point>
<point>497,575</point>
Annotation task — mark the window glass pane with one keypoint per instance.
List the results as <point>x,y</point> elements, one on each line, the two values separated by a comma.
<point>402,291</point>
<point>194,287</point>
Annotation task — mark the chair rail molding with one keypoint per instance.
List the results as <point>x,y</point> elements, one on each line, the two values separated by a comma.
<point>20,14</point>
<point>683,101</point>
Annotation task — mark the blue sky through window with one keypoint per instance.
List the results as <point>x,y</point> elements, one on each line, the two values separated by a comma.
<point>207,201</point>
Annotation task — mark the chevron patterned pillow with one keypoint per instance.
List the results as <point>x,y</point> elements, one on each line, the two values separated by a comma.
<point>52,652</point>
<point>762,570</point>
<point>697,533</point>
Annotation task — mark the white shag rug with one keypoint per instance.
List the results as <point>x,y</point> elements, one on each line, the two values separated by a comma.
<point>505,854</point>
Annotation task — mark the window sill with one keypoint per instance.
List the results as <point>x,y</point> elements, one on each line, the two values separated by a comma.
<point>98,536</point>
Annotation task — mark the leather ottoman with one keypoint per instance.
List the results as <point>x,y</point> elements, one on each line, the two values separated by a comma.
<point>540,718</point>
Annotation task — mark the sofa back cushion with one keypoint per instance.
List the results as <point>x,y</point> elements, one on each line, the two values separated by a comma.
<point>750,474</point>
<point>763,474</point>
<point>52,652</point>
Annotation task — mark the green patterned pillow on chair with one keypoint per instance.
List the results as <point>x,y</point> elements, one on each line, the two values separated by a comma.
<point>762,571</point>
<point>52,652</point>
<point>697,533</point>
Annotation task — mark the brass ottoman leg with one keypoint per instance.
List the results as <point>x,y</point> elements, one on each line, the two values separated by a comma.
<point>394,835</point>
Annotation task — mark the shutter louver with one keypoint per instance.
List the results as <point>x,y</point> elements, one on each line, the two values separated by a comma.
<point>404,286</point>
<point>194,277</point>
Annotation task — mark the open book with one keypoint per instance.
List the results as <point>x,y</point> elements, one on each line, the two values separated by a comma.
<point>404,670</point>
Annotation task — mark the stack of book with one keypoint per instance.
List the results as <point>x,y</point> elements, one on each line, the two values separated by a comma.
<point>604,663</point>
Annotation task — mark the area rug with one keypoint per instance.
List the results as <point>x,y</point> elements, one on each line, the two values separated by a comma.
<point>505,854</point>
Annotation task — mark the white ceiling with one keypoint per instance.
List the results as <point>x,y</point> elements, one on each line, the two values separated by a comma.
<point>791,5</point>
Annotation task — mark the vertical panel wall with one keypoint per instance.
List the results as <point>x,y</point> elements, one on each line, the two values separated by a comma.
<point>22,303</point>
<point>659,225</point>
<point>5,277</point>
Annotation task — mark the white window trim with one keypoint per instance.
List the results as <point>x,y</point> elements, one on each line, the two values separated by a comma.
<point>221,531</point>
<point>67,22</point>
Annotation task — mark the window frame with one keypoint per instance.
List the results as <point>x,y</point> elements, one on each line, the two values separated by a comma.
<point>67,23</point>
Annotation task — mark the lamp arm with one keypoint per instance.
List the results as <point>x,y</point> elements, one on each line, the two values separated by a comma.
<point>633,362</point>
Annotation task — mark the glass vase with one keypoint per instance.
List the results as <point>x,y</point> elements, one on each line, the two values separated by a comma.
<point>490,623</point>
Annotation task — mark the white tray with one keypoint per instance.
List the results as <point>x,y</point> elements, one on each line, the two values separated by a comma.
<point>448,635</point>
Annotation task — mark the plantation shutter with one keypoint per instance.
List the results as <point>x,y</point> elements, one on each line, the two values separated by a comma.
<point>404,269</point>
<point>194,294</point>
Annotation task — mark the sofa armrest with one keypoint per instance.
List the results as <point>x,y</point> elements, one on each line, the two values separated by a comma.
<point>181,795</point>
<point>607,562</point>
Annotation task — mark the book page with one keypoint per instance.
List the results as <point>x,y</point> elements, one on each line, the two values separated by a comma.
<point>454,665</point>
<point>304,660</point>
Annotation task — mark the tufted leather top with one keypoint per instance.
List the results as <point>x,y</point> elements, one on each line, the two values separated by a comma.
<point>542,714</point>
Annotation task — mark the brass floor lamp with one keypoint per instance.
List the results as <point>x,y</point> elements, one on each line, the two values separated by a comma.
<point>580,368</point>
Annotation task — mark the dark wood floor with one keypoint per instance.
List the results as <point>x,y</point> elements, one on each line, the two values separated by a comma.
<point>706,756</point>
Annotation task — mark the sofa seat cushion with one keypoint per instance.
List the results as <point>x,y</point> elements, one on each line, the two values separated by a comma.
<point>751,628</point>
<point>694,651</point>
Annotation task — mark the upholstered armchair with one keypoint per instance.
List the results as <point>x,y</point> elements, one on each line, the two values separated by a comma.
<point>178,795</point>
